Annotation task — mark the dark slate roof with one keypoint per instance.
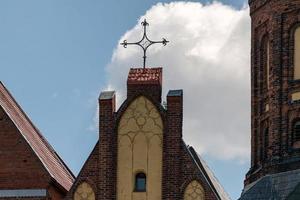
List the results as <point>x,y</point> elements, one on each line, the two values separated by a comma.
<point>273,187</point>
<point>295,195</point>
<point>208,174</point>
<point>43,150</point>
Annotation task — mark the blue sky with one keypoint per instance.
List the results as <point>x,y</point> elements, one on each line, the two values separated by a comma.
<point>53,58</point>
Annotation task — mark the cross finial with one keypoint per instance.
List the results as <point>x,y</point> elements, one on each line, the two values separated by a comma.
<point>145,42</point>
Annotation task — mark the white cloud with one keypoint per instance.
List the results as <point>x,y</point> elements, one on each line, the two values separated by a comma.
<point>209,58</point>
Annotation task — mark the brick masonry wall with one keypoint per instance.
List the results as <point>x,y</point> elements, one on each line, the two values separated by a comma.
<point>275,19</point>
<point>107,150</point>
<point>17,160</point>
<point>172,149</point>
<point>138,89</point>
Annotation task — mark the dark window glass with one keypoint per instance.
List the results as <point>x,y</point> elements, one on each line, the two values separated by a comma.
<point>296,131</point>
<point>266,143</point>
<point>140,182</point>
<point>297,54</point>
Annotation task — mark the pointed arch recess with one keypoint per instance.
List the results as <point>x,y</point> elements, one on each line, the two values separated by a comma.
<point>84,192</point>
<point>194,191</point>
<point>140,138</point>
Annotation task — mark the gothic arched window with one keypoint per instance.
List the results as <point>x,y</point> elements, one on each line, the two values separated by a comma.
<point>140,182</point>
<point>297,54</point>
<point>265,60</point>
<point>296,134</point>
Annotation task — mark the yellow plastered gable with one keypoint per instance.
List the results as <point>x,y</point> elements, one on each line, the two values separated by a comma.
<point>84,192</point>
<point>140,136</point>
<point>194,191</point>
<point>297,54</point>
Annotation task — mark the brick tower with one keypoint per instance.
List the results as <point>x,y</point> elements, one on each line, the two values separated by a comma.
<point>275,98</point>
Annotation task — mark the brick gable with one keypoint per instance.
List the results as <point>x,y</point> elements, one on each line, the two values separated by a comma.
<point>28,163</point>
<point>180,167</point>
<point>18,160</point>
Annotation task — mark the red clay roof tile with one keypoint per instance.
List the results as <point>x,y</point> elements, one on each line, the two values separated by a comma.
<point>145,76</point>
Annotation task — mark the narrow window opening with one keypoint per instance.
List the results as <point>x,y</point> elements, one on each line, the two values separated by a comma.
<point>296,134</point>
<point>140,182</point>
<point>266,145</point>
<point>297,54</point>
<point>267,64</point>
<point>265,69</point>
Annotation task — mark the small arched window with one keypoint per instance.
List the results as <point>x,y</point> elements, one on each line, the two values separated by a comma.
<point>296,134</point>
<point>140,182</point>
<point>297,54</point>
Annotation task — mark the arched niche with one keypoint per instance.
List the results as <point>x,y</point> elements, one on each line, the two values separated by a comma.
<point>84,192</point>
<point>265,62</point>
<point>194,191</point>
<point>140,136</point>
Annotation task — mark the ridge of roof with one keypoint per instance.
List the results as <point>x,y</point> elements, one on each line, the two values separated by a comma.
<point>53,164</point>
<point>209,175</point>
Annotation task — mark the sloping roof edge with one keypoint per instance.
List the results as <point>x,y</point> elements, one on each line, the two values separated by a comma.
<point>53,164</point>
<point>96,146</point>
<point>208,174</point>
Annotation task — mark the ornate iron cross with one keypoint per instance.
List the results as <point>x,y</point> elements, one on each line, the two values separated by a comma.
<point>145,42</point>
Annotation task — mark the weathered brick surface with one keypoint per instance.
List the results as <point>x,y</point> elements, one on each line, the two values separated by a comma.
<point>275,20</point>
<point>20,168</point>
<point>107,150</point>
<point>172,148</point>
